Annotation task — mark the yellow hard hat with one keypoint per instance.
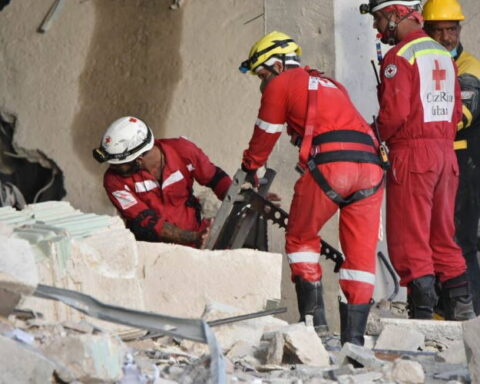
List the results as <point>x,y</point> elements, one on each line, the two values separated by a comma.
<point>275,43</point>
<point>442,10</point>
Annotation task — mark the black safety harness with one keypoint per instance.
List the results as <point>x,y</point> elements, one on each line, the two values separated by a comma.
<point>309,162</point>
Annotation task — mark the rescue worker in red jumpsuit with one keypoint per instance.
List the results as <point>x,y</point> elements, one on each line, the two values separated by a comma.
<point>340,168</point>
<point>150,182</point>
<point>420,106</point>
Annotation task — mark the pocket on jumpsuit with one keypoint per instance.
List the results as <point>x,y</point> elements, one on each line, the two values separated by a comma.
<point>399,166</point>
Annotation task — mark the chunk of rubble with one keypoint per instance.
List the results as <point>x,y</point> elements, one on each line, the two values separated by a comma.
<point>87,358</point>
<point>399,338</point>
<point>18,273</point>
<point>305,344</point>
<point>23,364</point>
<point>471,337</point>
<point>361,355</point>
<point>408,371</point>
<point>250,331</point>
<point>453,352</point>
<point>296,343</point>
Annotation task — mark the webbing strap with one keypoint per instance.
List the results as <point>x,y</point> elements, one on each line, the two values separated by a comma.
<point>354,197</point>
<point>344,136</point>
<point>347,155</point>
<point>310,120</point>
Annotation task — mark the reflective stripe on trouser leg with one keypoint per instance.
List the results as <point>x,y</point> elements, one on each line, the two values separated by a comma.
<point>305,264</point>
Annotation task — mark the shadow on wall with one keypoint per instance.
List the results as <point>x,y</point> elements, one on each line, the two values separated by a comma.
<point>132,68</point>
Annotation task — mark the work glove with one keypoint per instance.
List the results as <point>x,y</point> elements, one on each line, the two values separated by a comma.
<point>251,176</point>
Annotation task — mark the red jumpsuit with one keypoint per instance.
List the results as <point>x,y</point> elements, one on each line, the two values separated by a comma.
<point>145,203</point>
<point>284,100</point>
<point>420,106</point>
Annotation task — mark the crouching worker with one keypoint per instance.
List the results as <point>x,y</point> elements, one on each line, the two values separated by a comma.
<point>150,182</point>
<point>340,170</point>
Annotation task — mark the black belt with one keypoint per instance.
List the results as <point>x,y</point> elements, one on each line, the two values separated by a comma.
<point>356,156</point>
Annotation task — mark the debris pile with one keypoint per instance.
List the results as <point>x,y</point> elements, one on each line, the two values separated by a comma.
<point>95,259</point>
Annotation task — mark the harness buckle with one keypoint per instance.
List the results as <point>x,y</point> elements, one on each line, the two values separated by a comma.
<point>300,168</point>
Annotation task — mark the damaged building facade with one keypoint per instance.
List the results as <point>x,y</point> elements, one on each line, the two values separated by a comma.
<point>68,69</point>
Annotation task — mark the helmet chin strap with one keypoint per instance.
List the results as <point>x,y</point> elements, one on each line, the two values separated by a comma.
<point>390,35</point>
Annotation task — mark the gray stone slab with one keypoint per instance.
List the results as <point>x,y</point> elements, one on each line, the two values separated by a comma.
<point>21,364</point>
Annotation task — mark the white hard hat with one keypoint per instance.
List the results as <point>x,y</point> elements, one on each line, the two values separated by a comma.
<point>376,5</point>
<point>125,140</point>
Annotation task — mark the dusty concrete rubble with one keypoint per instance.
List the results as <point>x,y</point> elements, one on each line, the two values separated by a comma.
<point>47,342</point>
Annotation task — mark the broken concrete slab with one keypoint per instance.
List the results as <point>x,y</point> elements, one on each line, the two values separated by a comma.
<point>362,355</point>
<point>304,343</point>
<point>400,338</point>
<point>408,372</point>
<point>431,329</point>
<point>18,273</point>
<point>87,358</point>
<point>104,265</point>
<point>471,337</point>
<point>181,280</point>
<point>22,364</point>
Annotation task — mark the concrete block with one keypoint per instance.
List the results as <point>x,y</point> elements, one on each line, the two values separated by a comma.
<point>471,337</point>
<point>305,344</point>
<point>87,358</point>
<point>104,265</point>
<point>360,354</point>
<point>180,281</point>
<point>408,372</point>
<point>18,273</point>
<point>21,364</point>
<point>431,329</point>
<point>399,338</point>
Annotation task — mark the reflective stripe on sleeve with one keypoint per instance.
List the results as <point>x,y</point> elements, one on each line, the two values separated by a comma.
<point>360,276</point>
<point>146,185</point>
<point>173,178</point>
<point>269,127</point>
<point>460,144</point>
<point>303,257</point>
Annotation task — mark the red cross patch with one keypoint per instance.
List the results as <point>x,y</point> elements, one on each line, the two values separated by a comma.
<point>390,71</point>
<point>438,76</point>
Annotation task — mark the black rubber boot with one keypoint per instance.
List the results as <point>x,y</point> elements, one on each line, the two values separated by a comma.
<point>310,302</point>
<point>353,322</point>
<point>457,299</point>
<point>422,297</point>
